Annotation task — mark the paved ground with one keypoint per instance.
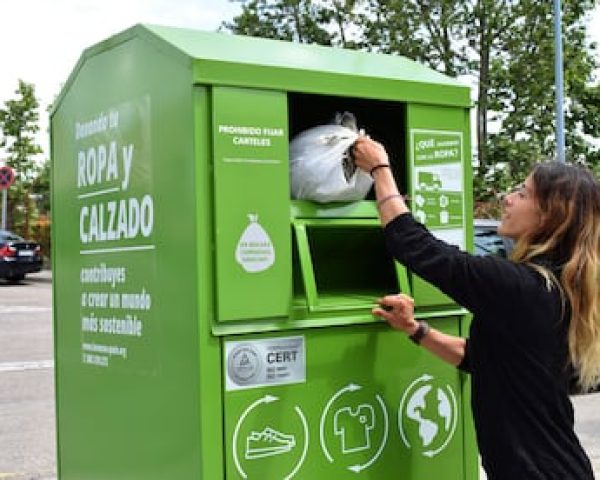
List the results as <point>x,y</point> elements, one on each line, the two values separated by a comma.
<point>27,441</point>
<point>587,418</point>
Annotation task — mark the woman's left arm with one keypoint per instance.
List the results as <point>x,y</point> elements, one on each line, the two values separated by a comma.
<point>371,157</point>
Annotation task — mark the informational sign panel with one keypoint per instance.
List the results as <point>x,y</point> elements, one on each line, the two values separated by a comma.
<point>125,264</point>
<point>116,211</point>
<point>438,189</point>
<point>337,413</point>
<point>264,362</point>
<point>253,238</point>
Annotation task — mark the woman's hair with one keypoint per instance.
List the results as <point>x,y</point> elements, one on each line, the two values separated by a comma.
<point>569,236</point>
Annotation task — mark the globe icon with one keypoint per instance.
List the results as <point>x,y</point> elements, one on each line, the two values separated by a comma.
<point>427,416</point>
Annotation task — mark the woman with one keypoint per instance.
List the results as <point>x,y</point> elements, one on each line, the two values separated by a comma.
<point>534,316</point>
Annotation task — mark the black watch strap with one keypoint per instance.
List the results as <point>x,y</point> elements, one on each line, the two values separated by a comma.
<point>422,330</point>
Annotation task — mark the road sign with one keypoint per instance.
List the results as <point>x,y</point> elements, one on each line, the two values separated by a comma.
<point>7,177</point>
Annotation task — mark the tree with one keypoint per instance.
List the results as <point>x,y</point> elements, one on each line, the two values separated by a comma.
<point>18,124</point>
<point>428,32</point>
<point>40,188</point>
<point>522,89</point>
<point>303,21</point>
<point>506,46</point>
<point>584,112</point>
<point>292,20</point>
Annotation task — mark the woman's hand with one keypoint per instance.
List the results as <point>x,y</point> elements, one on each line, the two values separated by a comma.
<point>368,153</point>
<point>398,311</point>
<point>369,156</point>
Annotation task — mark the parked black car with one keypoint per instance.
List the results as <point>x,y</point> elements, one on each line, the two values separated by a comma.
<point>487,241</point>
<point>18,256</point>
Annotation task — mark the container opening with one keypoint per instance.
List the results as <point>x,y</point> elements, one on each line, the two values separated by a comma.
<point>349,266</point>
<point>384,121</point>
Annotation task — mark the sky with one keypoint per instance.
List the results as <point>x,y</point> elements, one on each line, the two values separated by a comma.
<point>42,40</point>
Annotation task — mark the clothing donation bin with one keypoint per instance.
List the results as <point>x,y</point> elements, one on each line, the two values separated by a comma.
<point>207,326</point>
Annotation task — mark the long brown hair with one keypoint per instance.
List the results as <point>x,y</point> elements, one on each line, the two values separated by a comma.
<point>569,236</point>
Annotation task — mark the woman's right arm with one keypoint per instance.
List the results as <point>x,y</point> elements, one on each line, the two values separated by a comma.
<point>473,282</point>
<point>400,316</point>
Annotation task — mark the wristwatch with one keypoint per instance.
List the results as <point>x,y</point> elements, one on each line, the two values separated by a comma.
<point>422,330</point>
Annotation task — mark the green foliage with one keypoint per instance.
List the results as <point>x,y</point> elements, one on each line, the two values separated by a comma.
<point>584,113</point>
<point>506,46</point>
<point>428,32</point>
<point>40,187</point>
<point>304,21</point>
<point>18,123</point>
<point>40,193</point>
<point>292,20</point>
<point>522,88</point>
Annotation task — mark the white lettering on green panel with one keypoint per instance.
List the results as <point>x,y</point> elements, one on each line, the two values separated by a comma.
<point>113,189</point>
<point>438,190</point>
<point>253,256</point>
<point>255,251</point>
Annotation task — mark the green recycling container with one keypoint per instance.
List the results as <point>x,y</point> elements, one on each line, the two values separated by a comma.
<point>207,326</point>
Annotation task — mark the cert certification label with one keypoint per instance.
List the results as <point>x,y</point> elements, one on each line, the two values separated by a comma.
<point>257,363</point>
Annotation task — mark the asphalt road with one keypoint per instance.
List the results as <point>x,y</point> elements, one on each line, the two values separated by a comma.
<point>27,441</point>
<point>587,418</point>
<point>27,438</point>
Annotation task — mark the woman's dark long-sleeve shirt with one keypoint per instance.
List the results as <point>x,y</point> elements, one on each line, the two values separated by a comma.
<point>517,355</point>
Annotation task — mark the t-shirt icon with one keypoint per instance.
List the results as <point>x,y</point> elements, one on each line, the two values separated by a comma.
<point>354,427</point>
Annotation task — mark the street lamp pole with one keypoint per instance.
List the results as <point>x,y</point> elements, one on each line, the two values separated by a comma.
<point>558,68</point>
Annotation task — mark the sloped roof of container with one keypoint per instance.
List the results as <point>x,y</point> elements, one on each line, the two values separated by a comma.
<point>235,60</point>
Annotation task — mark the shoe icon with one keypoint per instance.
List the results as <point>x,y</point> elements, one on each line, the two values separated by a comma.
<point>268,443</point>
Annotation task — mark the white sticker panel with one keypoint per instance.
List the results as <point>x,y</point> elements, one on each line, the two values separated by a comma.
<point>257,363</point>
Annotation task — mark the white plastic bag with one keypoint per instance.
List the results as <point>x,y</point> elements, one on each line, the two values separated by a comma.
<point>320,168</point>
